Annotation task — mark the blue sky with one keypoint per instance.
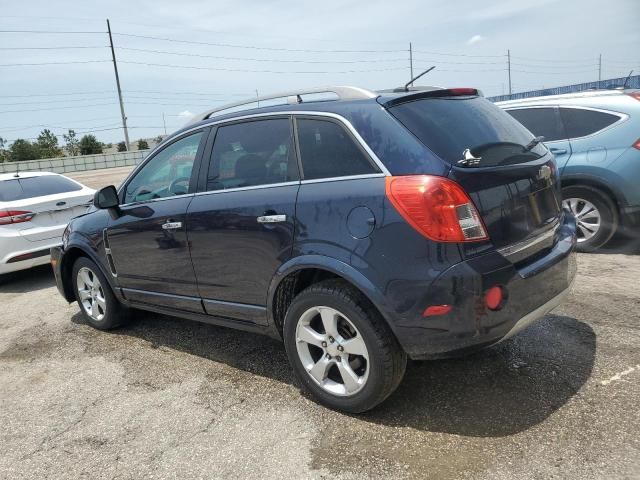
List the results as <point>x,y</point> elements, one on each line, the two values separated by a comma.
<point>243,46</point>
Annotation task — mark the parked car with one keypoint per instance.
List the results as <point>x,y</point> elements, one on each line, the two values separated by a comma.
<point>35,208</point>
<point>595,137</point>
<point>361,230</point>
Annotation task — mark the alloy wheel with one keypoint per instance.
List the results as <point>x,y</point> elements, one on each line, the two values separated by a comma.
<point>91,294</point>
<point>332,351</point>
<point>587,217</point>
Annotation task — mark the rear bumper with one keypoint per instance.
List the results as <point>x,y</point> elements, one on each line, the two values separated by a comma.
<point>532,290</point>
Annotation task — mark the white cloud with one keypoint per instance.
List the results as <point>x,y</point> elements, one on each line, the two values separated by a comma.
<point>475,39</point>
<point>186,114</point>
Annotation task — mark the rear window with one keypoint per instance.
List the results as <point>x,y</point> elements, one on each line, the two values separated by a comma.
<point>450,126</point>
<point>22,188</point>
<point>579,122</point>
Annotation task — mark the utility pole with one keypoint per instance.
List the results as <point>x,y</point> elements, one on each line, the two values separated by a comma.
<point>257,98</point>
<point>509,68</point>
<point>115,68</point>
<point>411,62</point>
<point>599,70</point>
<point>164,123</point>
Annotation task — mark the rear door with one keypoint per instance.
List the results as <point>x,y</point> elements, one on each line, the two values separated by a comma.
<point>241,223</point>
<point>147,237</point>
<point>546,121</point>
<point>514,184</point>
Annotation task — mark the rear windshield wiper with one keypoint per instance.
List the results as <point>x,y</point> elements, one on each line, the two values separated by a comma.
<point>533,143</point>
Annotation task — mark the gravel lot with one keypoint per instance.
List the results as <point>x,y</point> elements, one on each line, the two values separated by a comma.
<point>169,398</point>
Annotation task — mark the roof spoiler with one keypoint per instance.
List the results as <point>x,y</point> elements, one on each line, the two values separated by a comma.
<point>434,93</point>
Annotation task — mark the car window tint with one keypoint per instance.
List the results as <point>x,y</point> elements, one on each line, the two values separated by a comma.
<point>455,127</point>
<point>252,153</point>
<point>580,123</point>
<point>167,174</point>
<point>327,150</point>
<point>541,122</point>
<point>19,189</point>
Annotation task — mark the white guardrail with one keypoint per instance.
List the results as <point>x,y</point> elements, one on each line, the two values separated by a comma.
<point>76,164</point>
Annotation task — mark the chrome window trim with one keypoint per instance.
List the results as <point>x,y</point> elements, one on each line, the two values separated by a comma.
<point>153,200</point>
<point>622,117</point>
<point>515,248</point>
<point>346,177</point>
<point>252,187</point>
<point>384,172</point>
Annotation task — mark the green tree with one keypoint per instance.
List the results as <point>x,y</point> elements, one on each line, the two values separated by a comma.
<point>48,144</point>
<point>89,145</point>
<point>142,144</point>
<point>72,143</point>
<point>4,154</point>
<point>23,150</point>
<point>158,139</point>
<point>122,147</point>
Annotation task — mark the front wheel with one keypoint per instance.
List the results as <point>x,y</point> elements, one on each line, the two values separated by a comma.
<point>99,306</point>
<point>596,215</point>
<point>340,348</point>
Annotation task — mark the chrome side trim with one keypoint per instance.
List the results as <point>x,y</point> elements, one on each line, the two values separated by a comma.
<point>340,179</point>
<point>516,248</point>
<point>253,187</point>
<point>153,200</point>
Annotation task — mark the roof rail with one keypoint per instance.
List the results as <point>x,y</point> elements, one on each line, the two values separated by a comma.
<point>293,97</point>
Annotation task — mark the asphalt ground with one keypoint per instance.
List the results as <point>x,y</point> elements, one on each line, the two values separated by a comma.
<point>170,398</point>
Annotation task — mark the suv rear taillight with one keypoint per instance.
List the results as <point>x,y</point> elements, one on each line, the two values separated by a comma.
<point>15,216</point>
<point>635,95</point>
<point>437,207</point>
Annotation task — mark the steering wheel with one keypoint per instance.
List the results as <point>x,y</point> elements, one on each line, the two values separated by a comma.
<point>175,182</point>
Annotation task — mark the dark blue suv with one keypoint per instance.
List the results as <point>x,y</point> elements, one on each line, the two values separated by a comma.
<point>360,228</point>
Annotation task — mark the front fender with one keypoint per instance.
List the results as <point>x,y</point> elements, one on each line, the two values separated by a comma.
<point>337,267</point>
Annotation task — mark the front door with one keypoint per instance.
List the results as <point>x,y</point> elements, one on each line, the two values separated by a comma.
<point>241,225</point>
<point>148,237</point>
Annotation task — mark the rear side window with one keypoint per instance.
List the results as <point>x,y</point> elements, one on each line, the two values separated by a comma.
<point>450,126</point>
<point>252,153</point>
<point>580,122</point>
<point>327,150</point>
<point>23,188</point>
<point>541,121</point>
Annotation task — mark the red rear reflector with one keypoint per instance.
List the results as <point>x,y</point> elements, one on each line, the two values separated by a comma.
<point>434,310</point>
<point>494,297</point>
<point>436,207</point>
<point>15,216</point>
<point>637,144</point>
<point>635,95</point>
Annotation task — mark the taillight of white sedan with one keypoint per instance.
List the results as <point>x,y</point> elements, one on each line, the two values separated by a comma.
<point>35,208</point>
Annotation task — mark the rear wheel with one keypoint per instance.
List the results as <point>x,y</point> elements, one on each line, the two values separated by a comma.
<point>340,348</point>
<point>99,306</point>
<point>596,216</point>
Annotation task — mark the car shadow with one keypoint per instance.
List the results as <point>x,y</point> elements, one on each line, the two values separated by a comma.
<point>30,280</point>
<point>497,392</point>
<point>626,243</point>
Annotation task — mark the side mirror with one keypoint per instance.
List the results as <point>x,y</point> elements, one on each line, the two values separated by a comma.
<point>106,197</point>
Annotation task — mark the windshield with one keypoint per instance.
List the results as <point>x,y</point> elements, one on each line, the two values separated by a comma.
<point>471,128</point>
<point>21,188</point>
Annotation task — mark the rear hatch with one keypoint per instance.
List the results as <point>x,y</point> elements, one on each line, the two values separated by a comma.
<point>512,181</point>
<point>52,199</point>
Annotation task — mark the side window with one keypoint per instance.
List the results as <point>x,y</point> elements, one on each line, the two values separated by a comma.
<point>580,123</point>
<point>540,121</point>
<point>167,174</point>
<point>327,150</point>
<point>252,153</point>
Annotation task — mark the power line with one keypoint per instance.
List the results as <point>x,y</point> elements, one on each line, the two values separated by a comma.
<point>244,70</point>
<point>66,47</point>
<point>50,31</point>
<point>271,60</point>
<point>51,63</point>
<point>253,47</point>
<point>458,54</point>
<point>41,102</point>
<point>57,108</point>
<point>54,94</point>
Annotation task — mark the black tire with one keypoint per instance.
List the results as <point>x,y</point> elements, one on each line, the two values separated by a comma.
<point>115,314</point>
<point>387,361</point>
<point>609,219</point>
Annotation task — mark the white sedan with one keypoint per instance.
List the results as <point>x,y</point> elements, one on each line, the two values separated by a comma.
<point>35,208</point>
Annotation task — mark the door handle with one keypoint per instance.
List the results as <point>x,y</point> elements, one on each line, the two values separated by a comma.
<point>272,218</point>
<point>171,225</point>
<point>558,151</point>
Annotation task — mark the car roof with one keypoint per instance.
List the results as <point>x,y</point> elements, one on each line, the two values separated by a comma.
<point>19,174</point>
<point>566,97</point>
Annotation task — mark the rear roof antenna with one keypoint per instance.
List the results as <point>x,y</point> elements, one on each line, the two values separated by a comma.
<point>627,80</point>
<point>406,87</point>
